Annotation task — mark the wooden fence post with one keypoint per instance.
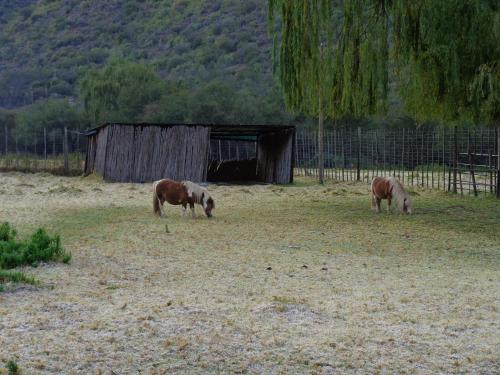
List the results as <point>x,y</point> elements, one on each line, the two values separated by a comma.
<point>45,148</point>
<point>444,160</point>
<point>471,165</point>
<point>342,137</point>
<point>455,159</point>
<point>65,149</point>
<point>358,163</point>
<point>6,139</point>
<point>321,156</point>
<point>35,144</point>
<point>403,157</point>
<point>498,162</point>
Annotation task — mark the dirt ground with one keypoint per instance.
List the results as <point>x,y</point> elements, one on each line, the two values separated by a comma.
<point>300,279</point>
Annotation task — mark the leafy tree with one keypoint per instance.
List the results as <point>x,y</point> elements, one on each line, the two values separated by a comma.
<point>119,92</point>
<point>446,55</point>
<point>50,114</point>
<point>7,118</point>
<point>334,57</point>
<point>172,107</point>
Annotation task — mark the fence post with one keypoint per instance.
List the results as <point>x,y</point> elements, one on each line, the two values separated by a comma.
<point>342,138</point>
<point>444,159</point>
<point>6,139</point>
<point>471,164</point>
<point>45,143</point>
<point>403,157</point>
<point>321,156</point>
<point>498,162</point>
<point>358,163</point>
<point>455,159</point>
<point>65,149</point>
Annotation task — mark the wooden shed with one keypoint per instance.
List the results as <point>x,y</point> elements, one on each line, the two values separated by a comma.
<point>147,152</point>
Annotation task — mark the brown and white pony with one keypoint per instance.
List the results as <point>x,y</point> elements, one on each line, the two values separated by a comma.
<point>184,193</point>
<point>390,188</point>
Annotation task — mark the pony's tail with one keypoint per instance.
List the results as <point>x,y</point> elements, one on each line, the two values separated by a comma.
<point>156,201</point>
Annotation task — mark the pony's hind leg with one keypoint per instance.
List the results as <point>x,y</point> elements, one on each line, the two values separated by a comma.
<point>378,200</point>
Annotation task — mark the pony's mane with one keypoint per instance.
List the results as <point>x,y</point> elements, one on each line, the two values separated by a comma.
<point>196,191</point>
<point>398,192</point>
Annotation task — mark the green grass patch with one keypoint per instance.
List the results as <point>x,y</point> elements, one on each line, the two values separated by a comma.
<point>13,368</point>
<point>40,247</point>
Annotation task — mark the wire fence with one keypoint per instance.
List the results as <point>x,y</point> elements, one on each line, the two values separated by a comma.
<point>458,160</point>
<point>465,161</point>
<point>60,151</point>
<point>224,150</point>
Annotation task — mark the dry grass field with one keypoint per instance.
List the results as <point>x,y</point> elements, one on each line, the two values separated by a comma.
<point>300,279</point>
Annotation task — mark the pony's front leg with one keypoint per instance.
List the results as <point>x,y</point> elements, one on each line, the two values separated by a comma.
<point>184,208</point>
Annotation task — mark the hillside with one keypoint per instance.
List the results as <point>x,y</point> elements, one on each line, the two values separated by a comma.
<point>45,45</point>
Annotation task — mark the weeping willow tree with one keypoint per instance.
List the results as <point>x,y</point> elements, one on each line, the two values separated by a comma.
<point>119,91</point>
<point>447,56</point>
<point>333,57</point>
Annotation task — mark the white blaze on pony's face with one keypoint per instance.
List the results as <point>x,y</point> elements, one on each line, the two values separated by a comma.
<point>407,206</point>
<point>208,204</point>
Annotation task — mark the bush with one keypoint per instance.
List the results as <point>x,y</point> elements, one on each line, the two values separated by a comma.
<point>40,247</point>
<point>13,368</point>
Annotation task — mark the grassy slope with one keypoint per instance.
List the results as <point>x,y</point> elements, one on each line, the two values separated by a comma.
<point>46,44</point>
<point>348,289</point>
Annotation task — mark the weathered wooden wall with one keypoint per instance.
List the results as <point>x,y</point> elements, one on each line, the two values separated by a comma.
<point>91,150</point>
<point>139,153</point>
<point>274,157</point>
<point>143,153</point>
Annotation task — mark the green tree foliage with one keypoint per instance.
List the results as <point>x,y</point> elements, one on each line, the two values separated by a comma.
<point>50,114</point>
<point>119,92</point>
<point>7,118</point>
<point>217,101</point>
<point>448,58</point>
<point>446,55</point>
<point>45,45</point>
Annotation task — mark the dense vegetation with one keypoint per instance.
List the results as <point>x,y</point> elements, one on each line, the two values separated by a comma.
<point>210,61</point>
<point>443,56</point>
<point>81,63</point>
<point>40,247</point>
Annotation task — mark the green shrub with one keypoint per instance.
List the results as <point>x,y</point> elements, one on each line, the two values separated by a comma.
<point>7,233</point>
<point>40,247</point>
<point>12,367</point>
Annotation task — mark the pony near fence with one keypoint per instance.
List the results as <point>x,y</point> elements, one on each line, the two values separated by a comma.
<point>390,188</point>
